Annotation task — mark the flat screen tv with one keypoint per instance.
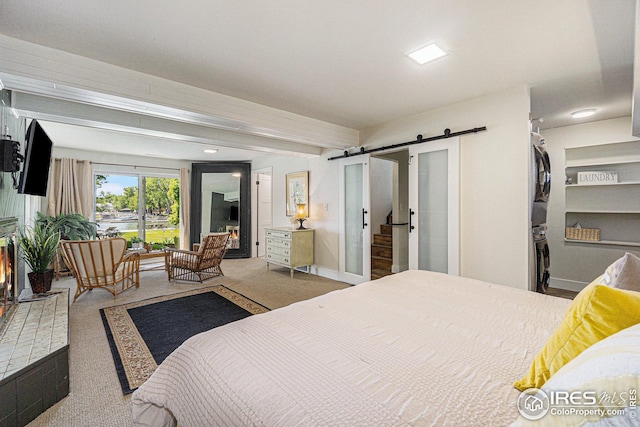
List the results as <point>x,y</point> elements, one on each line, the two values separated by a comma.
<point>37,159</point>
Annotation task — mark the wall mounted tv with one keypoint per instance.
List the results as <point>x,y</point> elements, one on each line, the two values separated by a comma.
<point>37,159</point>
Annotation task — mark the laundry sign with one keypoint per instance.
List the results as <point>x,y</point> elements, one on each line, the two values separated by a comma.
<point>597,177</point>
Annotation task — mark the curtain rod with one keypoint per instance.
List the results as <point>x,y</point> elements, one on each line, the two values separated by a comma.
<point>447,134</point>
<point>134,166</point>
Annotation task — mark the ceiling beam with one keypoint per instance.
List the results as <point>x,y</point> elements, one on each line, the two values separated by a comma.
<point>75,113</point>
<point>31,68</point>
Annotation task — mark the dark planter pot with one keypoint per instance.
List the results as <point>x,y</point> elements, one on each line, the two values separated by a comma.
<point>41,282</point>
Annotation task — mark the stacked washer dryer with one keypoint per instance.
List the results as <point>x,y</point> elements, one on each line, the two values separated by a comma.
<point>541,185</point>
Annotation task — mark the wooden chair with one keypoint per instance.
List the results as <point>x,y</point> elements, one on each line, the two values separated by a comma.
<point>101,264</point>
<point>199,265</point>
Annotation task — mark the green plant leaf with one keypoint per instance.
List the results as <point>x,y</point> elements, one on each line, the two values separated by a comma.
<point>39,245</point>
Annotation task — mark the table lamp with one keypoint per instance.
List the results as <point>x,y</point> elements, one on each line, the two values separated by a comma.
<point>301,215</point>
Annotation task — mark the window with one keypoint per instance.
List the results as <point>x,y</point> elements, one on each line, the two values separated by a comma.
<point>140,207</point>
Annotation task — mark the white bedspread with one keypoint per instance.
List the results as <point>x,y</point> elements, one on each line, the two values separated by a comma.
<point>416,348</point>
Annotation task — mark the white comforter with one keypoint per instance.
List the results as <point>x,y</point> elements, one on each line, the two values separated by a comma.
<point>416,348</point>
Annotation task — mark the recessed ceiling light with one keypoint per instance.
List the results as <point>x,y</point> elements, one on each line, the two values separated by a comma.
<point>210,151</point>
<point>236,175</point>
<point>427,54</point>
<point>583,113</point>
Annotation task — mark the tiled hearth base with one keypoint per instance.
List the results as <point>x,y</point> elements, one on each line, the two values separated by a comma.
<point>34,359</point>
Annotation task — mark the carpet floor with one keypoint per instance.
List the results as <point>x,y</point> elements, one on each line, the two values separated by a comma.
<point>142,334</point>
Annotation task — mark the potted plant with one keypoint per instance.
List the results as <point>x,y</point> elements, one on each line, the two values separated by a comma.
<point>167,242</point>
<point>71,226</point>
<point>136,242</point>
<point>39,245</point>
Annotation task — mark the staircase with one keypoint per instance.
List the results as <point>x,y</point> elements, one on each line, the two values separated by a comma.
<point>382,252</point>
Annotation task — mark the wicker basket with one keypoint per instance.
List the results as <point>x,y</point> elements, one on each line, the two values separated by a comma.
<point>589,234</point>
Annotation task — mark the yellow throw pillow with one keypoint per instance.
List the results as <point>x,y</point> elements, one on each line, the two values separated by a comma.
<point>597,312</point>
<point>609,368</point>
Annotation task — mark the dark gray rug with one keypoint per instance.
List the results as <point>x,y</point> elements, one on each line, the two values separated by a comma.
<point>142,334</point>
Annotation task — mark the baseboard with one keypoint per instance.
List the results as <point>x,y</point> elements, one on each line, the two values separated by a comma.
<point>569,285</point>
<point>326,273</point>
<point>395,268</point>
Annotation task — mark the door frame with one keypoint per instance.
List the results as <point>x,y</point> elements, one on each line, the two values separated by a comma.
<point>256,212</point>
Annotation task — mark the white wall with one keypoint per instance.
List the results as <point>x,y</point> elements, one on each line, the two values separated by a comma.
<point>573,266</point>
<point>323,205</point>
<point>494,179</point>
<point>281,166</point>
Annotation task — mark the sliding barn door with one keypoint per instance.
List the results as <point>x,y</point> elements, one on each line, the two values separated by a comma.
<point>434,187</point>
<point>355,235</point>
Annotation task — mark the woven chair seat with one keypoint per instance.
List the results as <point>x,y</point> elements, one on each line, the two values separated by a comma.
<point>198,265</point>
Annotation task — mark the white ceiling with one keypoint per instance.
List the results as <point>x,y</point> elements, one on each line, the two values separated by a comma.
<point>342,61</point>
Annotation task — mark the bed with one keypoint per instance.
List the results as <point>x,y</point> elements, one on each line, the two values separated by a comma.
<point>415,348</point>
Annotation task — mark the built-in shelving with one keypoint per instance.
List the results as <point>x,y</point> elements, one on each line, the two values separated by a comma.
<point>604,242</point>
<point>604,185</point>
<point>614,208</point>
<point>598,211</point>
<point>596,164</point>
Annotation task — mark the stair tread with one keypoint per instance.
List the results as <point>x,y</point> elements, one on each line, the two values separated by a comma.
<point>381,257</point>
<point>378,245</point>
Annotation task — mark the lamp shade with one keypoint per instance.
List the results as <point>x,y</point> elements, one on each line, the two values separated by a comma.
<point>302,211</point>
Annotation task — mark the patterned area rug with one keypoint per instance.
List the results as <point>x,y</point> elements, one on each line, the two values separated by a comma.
<point>142,334</point>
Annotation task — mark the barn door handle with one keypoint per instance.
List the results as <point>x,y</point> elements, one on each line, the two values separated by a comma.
<point>411,227</point>
<point>364,224</point>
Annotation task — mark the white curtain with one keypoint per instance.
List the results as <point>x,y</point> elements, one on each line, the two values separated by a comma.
<point>185,209</point>
<point>70,187</point>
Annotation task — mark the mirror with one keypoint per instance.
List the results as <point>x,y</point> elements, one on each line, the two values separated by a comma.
<point>220,203</point>
<point>220,196</point>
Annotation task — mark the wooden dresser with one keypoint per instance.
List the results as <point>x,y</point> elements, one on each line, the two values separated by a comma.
<point>289,248</point>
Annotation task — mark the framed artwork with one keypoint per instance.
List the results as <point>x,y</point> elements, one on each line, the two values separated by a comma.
<point>297,191</point>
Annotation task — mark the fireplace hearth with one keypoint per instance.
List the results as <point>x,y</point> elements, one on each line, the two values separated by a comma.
<point>9,283</point>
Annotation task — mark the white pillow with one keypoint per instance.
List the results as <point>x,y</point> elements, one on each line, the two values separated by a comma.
<point>609,366</point>
<point>624,273</point>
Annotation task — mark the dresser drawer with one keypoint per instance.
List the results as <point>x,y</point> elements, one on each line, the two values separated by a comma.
<point>278,250</point>
<point>282,243</point>
<point>278,233</point>
<point>282,259</point>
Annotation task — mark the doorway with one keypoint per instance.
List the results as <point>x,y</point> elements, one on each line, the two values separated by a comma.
<point>424,215</point>
<point>261,180</point>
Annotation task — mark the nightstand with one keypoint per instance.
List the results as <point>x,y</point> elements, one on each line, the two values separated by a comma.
<point>289,248</point>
